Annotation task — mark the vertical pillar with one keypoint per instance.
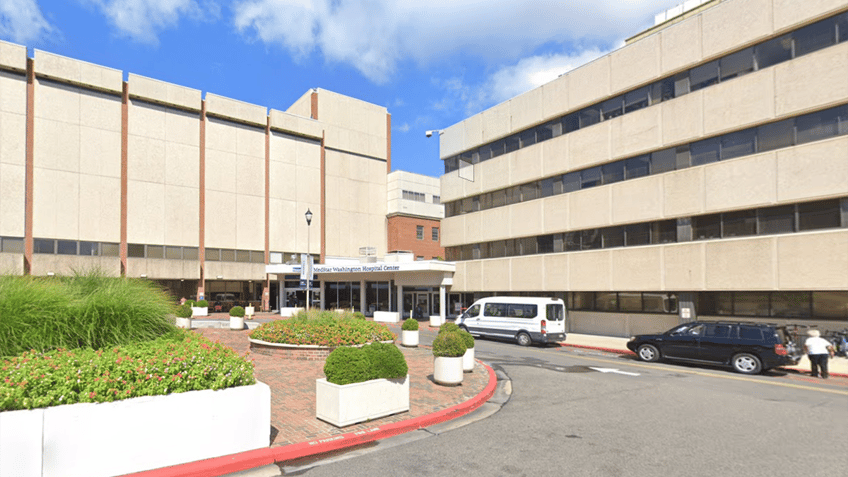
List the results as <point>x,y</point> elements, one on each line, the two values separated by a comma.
<point>388,143</point>
<point>29,168</point>
<point>686,306</point>
<point>201,241</point>
<point>362,291</point>
<point>321,287</point>
<point>442,305</point>
<point>125,105</point>
<point>400,301</point>
<point>266,298</point>
<point>323,233</point>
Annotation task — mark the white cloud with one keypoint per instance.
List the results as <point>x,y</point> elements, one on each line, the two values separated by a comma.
<point>374,36</point>
<point>403,128</point>
<point>21,21</point>
<point>142,20</point>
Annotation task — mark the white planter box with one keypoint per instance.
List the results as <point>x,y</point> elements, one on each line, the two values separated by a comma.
<point>351,403</point>
<point>468,360</point>
<point>386,316</point>
<point>409,338</point>
<point>133,435</point>
<point>183,323</point>
<point>290,310</point>
<point>199,311</point>
<point>436,321</point>
<point>447,370</point>
<point>249,311</point>
<point>236,322</point>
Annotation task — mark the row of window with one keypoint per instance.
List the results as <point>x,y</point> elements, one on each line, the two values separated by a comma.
<point>419,196</point>
<point>805,40</point>
<point>419,233</point>
<point>788,132</point>
<point>790,218</point>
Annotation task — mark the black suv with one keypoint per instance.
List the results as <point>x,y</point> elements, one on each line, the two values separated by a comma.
<point>749,348</point>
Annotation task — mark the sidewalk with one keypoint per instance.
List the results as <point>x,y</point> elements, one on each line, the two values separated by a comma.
<point>837,366</point>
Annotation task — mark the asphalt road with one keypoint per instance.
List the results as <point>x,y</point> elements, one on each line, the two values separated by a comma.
<point>564,417</point>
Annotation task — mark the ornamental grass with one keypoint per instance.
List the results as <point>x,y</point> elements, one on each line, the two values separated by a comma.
<point>322,328</point>
<point>177,362</point>
<point>84,310</point>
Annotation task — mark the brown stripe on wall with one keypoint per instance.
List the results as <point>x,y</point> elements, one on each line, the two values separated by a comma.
<point>388,143</point>
<point>125,102</point>
<point>29,181</point>
<point>323,199</point>
<point>267,287</point>
<point>314,105</point>
<point>201,243</point>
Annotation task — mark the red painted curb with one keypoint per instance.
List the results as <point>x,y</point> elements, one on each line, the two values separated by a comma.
<point>268,455</point>
<point>628,352</point>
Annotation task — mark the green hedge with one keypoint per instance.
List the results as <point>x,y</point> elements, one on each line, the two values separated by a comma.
<point>184,311</point>
<point>323,329</point>
<point>410,324</point>
<point>449,344</point>
<point>348,365</point>
<point>202,304</point>
<point>177,362</point>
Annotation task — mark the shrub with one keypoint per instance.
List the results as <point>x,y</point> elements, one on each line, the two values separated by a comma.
<point>448,327</point>
<point>467,338</point>
<point>202,304</point>
<point>176,362</point>
<point>237,311</point>
<point>448,344</point>
<point>84,310</point>
<point>410,324</point>
<point>347,365</point>
<point>184,311</point>
<point>322,329</point>
<point>191,303</point>
<point>359,316</point>
<point>387,361</point>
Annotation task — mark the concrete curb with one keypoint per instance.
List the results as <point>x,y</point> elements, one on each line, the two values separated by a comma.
<point>268,455</point>
<point>630,353</point>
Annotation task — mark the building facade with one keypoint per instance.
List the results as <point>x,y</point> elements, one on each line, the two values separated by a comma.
<point>152,180</point>
<point>415,212</point>
<point>700,171</point>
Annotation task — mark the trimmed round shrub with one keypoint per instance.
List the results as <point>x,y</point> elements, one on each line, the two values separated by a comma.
<point>184,311</point>
<point>347,365</point>
<point>237,311</point>
<point>359,316</point>
<point>410,324</point>
<point>449,344</point>
<point>190,303</point>
<point>466,336</point>
<point>387,361</point>
<point>448,327</point>
<point>202,304</point>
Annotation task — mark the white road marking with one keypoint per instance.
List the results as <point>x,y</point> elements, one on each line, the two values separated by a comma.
<point>613,370</point>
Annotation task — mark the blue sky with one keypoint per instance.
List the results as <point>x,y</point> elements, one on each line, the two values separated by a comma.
<point>432,64</point>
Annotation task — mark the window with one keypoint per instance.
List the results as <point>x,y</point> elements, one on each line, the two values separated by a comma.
<point>190,253</point>
<point>420,258</point>
<point>637,234</point>
<point>437,199</point>
<point>414,196</point>
<point>589,116</point>
<point>43,246</point>
<point>774,51</point>
<point>66,247</point>
<point>527,138</point>
<point>12,245</point>
<point>90,249</point>
<point>702,76</point>
<point>818,215</point>
<point>135,250</point>
<point>705,152</point>
<point>529,191</point>
<point>606,301</point>
<point>174,253</point>
<point>714,330</point>
<point>664,232</point>
<point>613,172</point>
<point>546,187</point>
<point>706,227</point>
<point>612,107</point>
<point>776,135</point>
<point>777,220</point>
<point>528,246</point>
<point>590,177</point>
<point>738,144</point>
<point>228,255</point>
<point>818,125</point>
<point>751,303</point>
<point>213,254</point>
<point>737,64</point>
<point>435,234</point>
<point>630,302</point>
<point>790,304</point>
<point>582,301</point>
<point>636,100</point>
<point>545,243</point>
<point>663,161</point>
<point>110,249</point>
<point>830,304</point>
<point>590,240</point>
<point>511,143</point>
<point>495,309</point>
<point>155,251</point>
<point>613,237</point>
<point>571,182</point>
<point>419,232</point>
<point>739,224</point>
<point>637,167</point>
<point>814,37</point>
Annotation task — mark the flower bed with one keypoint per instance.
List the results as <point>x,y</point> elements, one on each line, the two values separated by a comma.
<point>180,361</point>
<point>326,329</point>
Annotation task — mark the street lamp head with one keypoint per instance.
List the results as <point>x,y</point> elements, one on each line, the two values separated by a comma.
<point>308,217</point>
<point>433,131</point>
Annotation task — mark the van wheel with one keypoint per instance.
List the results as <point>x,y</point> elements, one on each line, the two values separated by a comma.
<point>463,328</point>
<point>523,339</point>
<point>747,363</point>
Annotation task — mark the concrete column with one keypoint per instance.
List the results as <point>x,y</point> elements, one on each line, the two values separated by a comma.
<point>442,305</point>
<point>280,294</point>
<point>362,296</point>
<point>321,287</point>
<point>686,307</point>
<point>400,301</point>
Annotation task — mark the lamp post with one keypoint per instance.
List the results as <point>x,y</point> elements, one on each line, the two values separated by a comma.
<point>308,259</point>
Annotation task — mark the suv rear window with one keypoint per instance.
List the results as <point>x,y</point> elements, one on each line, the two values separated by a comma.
<point>750,333</point>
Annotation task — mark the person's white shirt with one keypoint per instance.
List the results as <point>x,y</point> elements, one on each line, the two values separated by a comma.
<point>816,345</point>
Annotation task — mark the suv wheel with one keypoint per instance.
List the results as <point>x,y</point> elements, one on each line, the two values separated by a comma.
<point>648,353</point>
<point>746,363</point>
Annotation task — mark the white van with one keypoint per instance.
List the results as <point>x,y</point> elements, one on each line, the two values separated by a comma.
<point>524,319</point>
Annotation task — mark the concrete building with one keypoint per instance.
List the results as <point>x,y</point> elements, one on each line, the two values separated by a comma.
<point>414,215</point>
<point>699,171</point>
<point>201,193</point>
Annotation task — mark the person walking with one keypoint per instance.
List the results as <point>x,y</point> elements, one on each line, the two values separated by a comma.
<point>818,351</point>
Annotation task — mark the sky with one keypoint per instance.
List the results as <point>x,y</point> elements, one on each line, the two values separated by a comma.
<point>431,64</point>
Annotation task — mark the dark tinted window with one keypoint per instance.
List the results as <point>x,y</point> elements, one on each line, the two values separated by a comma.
<point>590,239</point>
<point>213,254</point>
<point>572,241</point>
<point>637,167</point>
<point>527,138</point>
<point>776,135</point>
<point>737,64</point>
<point>663,161</point>
<point>706,227</point>
<point>521,311</point>
<point>571,182</point>
<point>814,37</point>
<point>613,172</point>
<point>612,107</point>
<point>511,143</point>
<point>664,232</point>
<point>589,116</point>
<point>545,243</point>
<point>637,234</point>
<point>774,51</point>
<point>750,333</point>
<point>714,330</point>
<point>737,144</point>
<point>43,246</point>
<point>790,304</point>
<point>777,220</point>
<point>818,215</point>
<point>135,250</point>
<point>819,125</point>
<point>705,152</point>
<point>590,177</point>
<point>739,224</point>
<point>155,251</point>
<point>613,237</point>
<point>66,247</point>
<point>637,99</point>
<point>703,76</point>
<point>89,248</point>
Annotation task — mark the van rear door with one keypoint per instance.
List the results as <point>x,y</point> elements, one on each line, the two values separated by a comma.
<point>555,316</point>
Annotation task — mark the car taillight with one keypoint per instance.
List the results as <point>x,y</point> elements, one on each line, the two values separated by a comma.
<point>780,350</point>
<point>544,324</point>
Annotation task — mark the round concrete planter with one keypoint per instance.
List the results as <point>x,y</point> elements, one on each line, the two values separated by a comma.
<point>435,321</point>
<point>409,338</point>
<point>236,322</point>
<point>447,371</point>
<point>183,323</point>
<point>468,360</point>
